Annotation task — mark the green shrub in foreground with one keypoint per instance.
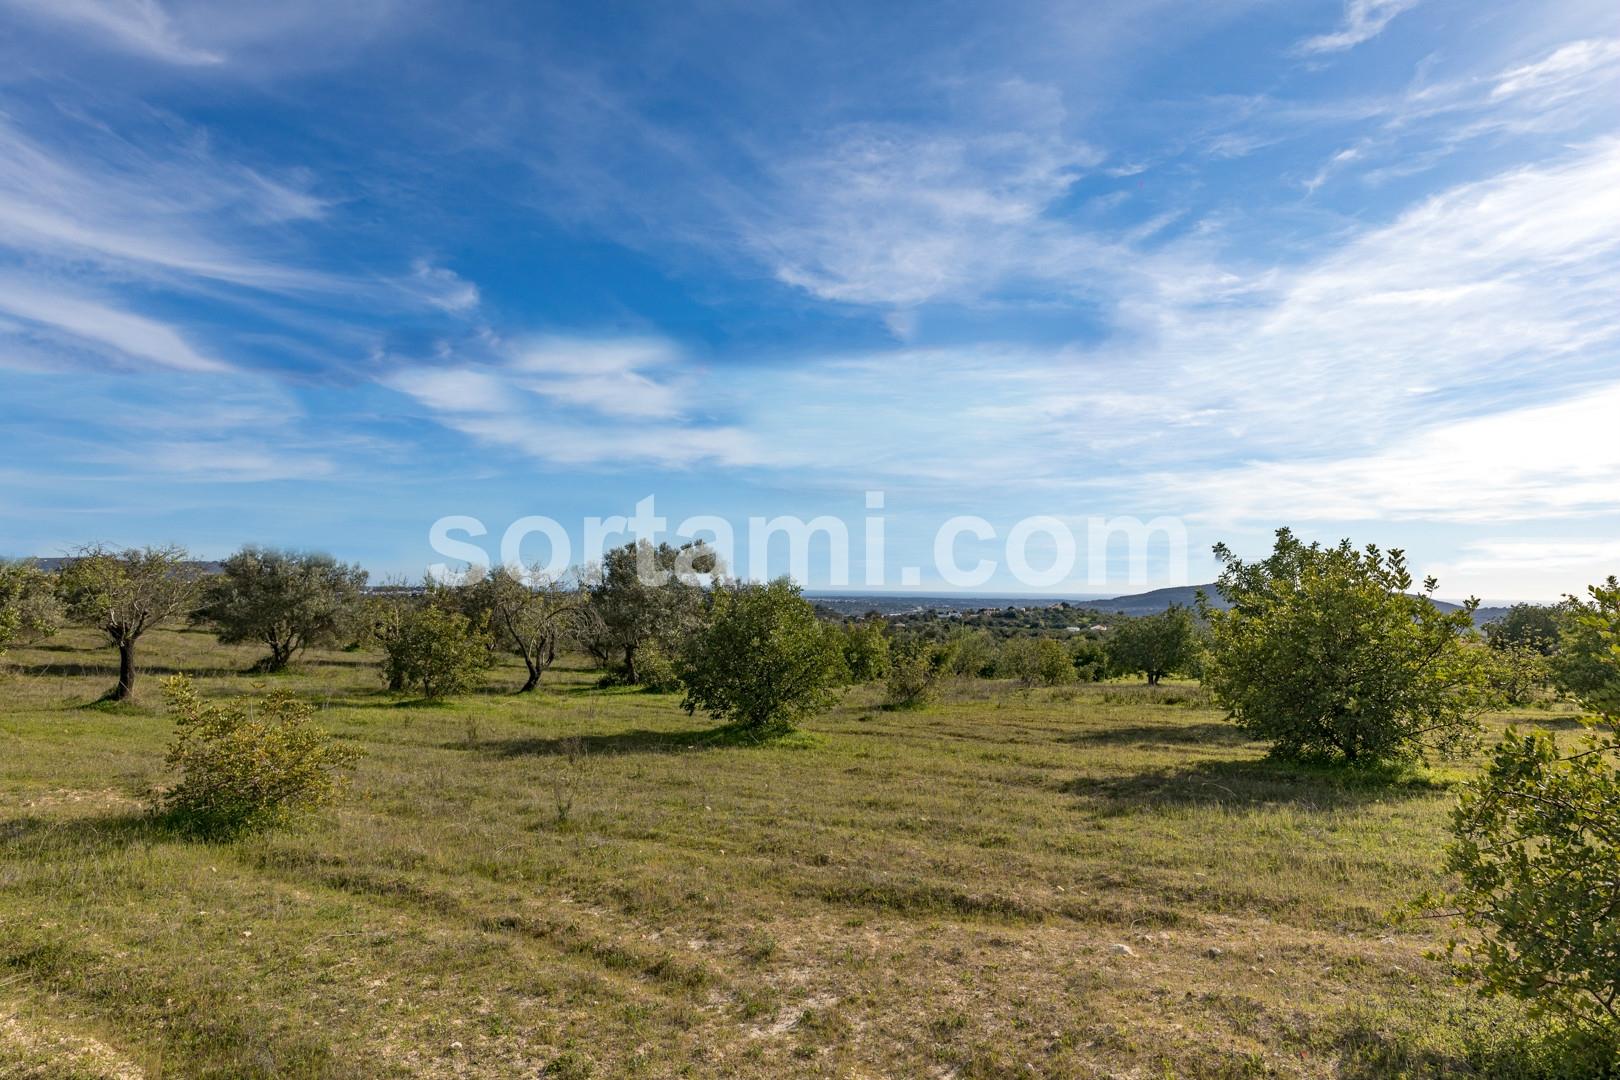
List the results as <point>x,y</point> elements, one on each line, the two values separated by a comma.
<point>1536,850</point>
<point>244,762</point>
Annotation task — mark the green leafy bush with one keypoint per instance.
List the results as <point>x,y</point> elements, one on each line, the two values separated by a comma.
<point>1090,658</point>
<point>657,671</point>
<point>27,603</point>
<point>1585,664</point>
<point>915,668</point>
<point>1036,661</point>
<point>763,659</point>
<point>437,651</point>
<point>1536,849</point>
<point>1326,653</point>
<point>245,762</point>
<point>866,651</point>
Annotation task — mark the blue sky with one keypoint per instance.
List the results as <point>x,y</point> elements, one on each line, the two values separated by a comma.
<point>318,274</point>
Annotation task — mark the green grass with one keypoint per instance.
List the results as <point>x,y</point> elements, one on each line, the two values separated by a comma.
<point>592,883</point>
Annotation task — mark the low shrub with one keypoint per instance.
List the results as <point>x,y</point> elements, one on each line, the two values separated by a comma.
<point>655,670</point>
<point>436,651</point>
<point>245,762</point>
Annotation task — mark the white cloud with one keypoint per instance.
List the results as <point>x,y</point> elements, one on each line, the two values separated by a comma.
<point>1549,461</point>
<point>1526,568</point>
<point>1491,555</point>
<point>454,390</point>
<point>441,287</point>
<point>580,401</point>
<point>232,461</point>
<point>128,208</point>
<point>131,336</point>
<point>1363,21</point>
<point>614,377</point>
<point>138,26</point>
<point>898,216</point>
<point>1386,378</point>
<point>1559,73</point>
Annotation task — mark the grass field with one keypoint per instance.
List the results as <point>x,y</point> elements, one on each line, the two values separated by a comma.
<point>1106,881</point>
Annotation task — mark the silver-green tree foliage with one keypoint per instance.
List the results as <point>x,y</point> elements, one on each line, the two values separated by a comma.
<point>126,593</point>
<point>641,596</point>
<point>866,651</point>
<point>1536,846</point>
<point>284,600</point>
<point>1327,654</point>
<point>28,606</point>
<point>243,763</point>
<point>762,659</point>
<point>528,614</point>
<point>1036,661</point>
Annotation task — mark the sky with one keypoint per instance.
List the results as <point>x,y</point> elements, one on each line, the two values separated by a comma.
<point>319,275</point>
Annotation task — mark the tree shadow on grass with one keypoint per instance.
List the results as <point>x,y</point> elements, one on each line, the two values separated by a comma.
<point>110,671</point>
<point>1211,734</point>
<point>1254,783</point>
<point>639,741</point>
<point>36,834</point>
<point>1368,1053</point>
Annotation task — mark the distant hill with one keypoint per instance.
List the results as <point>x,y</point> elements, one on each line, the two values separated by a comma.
<point>1151,603</point>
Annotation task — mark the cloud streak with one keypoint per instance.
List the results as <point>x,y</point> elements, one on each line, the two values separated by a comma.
<point>90,322</point>
<point>142,27</point>
<point>579,401</point>
<point>1363,21</point>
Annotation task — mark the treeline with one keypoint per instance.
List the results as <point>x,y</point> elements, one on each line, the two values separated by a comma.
<point>636,614</point>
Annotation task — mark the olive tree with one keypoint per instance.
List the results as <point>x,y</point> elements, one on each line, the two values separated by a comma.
<point>915,669</point>
<point>762,659</point>
<point>528,613</point>
<point>1326,653</point>
<point>28,607</point>
<point>284,600</point>
<point>1154,645</point>
<point>1536,847</point>
<point>126,593</point>
<point>644,594</point>
<point>1585,662</point>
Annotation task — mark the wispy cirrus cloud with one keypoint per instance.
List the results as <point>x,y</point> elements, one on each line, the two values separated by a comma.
<point>1559,74</point>
<point>106,200</point>
<point>894,215</point>
<point>104,327</point>
<point>1556,461</point>
<point>1451,365</point>
<point>139,26</point>
<point>582,401</point>
<point>1363,21</point>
